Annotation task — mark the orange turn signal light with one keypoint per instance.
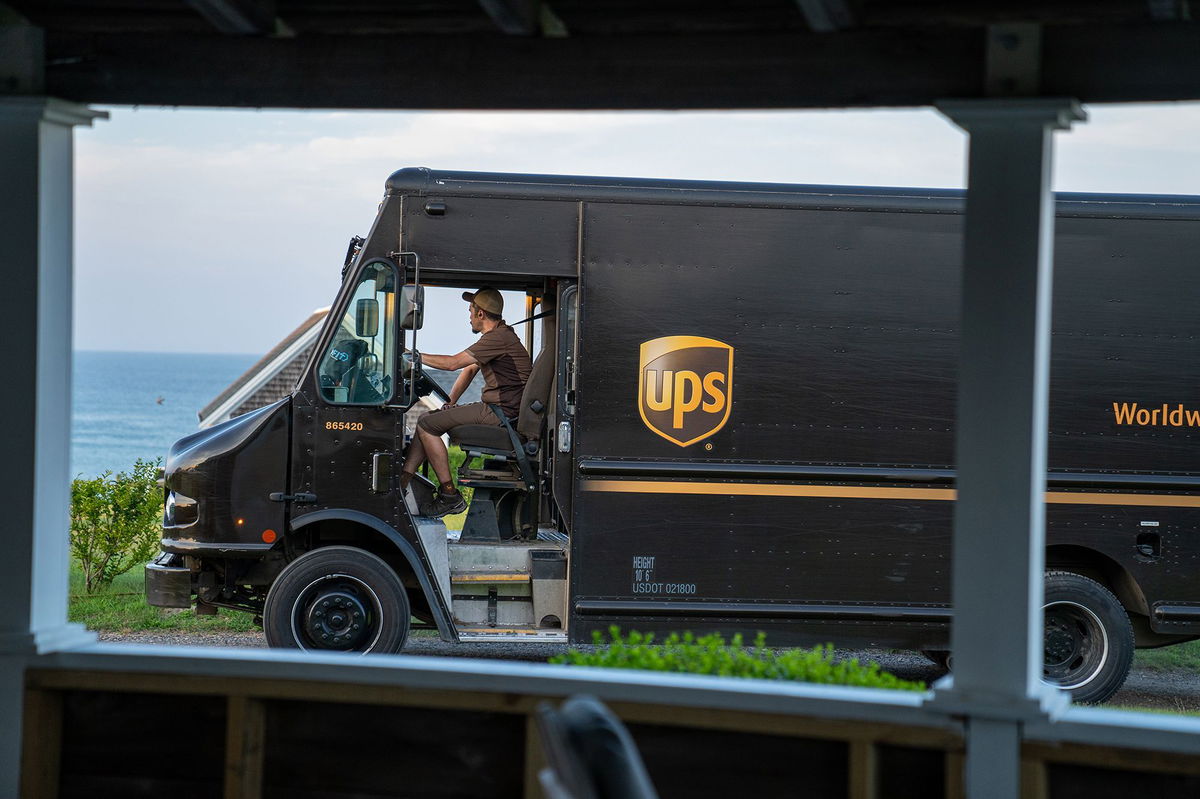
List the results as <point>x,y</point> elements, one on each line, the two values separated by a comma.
<point>268,536</point>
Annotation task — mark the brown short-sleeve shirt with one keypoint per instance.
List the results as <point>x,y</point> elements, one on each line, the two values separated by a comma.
<point>505,365</point>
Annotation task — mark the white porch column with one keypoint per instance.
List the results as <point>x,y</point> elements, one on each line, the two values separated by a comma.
<point>35,403</point>
<point>999,535</point>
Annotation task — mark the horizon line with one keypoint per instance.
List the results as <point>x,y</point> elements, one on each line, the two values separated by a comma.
<point>164,352</point>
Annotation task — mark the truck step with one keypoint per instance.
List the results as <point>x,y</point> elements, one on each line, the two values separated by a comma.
<point>527,634</point>
<point>488,474</point>
<point>494,482</point>
<point>489,577</point>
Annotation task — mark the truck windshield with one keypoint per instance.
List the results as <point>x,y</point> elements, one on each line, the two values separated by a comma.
<point>357,368</point>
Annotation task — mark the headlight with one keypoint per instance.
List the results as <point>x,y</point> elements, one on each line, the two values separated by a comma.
<point>180,511</point>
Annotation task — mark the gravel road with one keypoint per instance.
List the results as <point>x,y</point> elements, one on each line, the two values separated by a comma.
<point>1145,688</point>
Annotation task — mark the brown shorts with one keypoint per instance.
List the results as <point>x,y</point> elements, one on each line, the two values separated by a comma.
<point>439,422</point>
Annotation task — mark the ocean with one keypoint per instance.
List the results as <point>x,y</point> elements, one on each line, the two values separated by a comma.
<point>130,405</point>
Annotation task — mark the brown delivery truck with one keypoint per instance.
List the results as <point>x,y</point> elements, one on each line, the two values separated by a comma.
<point>740,419</point>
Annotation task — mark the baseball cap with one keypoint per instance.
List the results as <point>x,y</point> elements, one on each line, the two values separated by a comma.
<point>487,299</point>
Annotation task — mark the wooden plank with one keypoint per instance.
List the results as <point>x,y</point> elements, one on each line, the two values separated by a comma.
<point>41,741</point>
<point>864,772</point>
<point>797,726</point>
<point>245,733</point>
<point>1033,780</point>
<point>501,702</point>
<point>315,691</point>
<point>955,784</point>
<point>1111,757</point>
<point>535,759</point>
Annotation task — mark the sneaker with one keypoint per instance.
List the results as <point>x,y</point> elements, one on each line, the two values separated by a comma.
<point>446,504</point>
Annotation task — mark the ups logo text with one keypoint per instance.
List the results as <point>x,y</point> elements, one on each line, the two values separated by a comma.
<point>685,387</point>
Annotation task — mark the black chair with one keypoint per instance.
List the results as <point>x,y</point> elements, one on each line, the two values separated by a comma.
<point>506,500</point>
<point>589,753</point>
<point>517,442</point>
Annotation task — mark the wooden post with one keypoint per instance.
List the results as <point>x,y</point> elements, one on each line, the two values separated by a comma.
<point>245,733</point>
<point>42,744</point>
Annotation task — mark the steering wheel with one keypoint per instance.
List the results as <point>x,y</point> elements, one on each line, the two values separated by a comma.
<point>424,383</point>
<point>359,388</point>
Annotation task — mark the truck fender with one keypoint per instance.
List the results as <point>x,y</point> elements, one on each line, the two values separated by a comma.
<point>413,553</point>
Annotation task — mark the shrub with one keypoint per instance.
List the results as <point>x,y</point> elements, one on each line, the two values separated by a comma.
<point>115,522</point>
<point>711,655</point>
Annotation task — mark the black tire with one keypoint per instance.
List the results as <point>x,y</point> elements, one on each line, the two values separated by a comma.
<point>1088,638</point>
<point>337,599</point>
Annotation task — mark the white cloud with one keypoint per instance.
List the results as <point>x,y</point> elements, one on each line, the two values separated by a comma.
<point>220,230</point>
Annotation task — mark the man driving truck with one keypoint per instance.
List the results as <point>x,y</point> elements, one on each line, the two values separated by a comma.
<point>505,363</point>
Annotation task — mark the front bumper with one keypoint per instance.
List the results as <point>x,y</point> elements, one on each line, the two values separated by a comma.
<point>168,582</point>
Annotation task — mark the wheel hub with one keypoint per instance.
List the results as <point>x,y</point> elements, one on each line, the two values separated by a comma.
<point>1075,644</point>
<point>1060,644</point>
<point>336,619</point>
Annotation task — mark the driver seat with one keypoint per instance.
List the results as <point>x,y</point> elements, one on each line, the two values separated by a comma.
<point>503,439</point>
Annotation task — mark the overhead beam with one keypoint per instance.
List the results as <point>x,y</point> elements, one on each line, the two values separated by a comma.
<point>773,70</point>
<point>1121,63</point>
<point>525,18</point>
<point>22,54</point>
<point>238,17</point>
<point>1014,59</point>
<point>1168,10</point>
<point>826,16</point>
<point>1116,63</point>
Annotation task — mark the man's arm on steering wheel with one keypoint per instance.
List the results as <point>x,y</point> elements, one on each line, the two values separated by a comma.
<point>464,361</point>
<point>450,363</point>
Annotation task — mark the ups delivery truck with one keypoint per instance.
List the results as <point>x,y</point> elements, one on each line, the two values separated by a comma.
<point>740,419</point>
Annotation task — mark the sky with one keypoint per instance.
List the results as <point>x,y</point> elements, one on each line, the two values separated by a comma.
<point>221,230</point>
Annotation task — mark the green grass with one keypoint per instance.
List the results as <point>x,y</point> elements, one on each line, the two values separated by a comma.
<point>1185,657</point>
<point>122,608</point>
<point>711,654</point>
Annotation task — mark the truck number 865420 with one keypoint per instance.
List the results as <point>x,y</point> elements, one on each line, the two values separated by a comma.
<point>343,425</point>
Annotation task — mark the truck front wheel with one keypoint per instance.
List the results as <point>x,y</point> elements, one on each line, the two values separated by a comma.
<point>1088,638</point>
<point>337,598</point>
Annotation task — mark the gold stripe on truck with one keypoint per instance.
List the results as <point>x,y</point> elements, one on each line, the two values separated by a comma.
<point>869,492</point>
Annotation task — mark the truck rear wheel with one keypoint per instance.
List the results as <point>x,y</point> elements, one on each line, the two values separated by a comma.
<point>1088,638</point>
<point>337,598</point>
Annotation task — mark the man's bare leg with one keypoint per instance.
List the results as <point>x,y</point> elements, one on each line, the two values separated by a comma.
<point>415,454</point>
<point>448,499</point>
<point>415,457</point>
<point>439,458</point>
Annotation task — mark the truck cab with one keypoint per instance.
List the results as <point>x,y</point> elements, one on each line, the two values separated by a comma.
<point>294,512</point>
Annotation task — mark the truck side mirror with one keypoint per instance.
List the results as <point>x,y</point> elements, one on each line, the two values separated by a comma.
<point>366,318</point>
<point>412,303</point>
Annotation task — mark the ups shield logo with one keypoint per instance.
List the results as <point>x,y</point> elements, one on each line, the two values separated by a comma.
<point>685,387</point>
